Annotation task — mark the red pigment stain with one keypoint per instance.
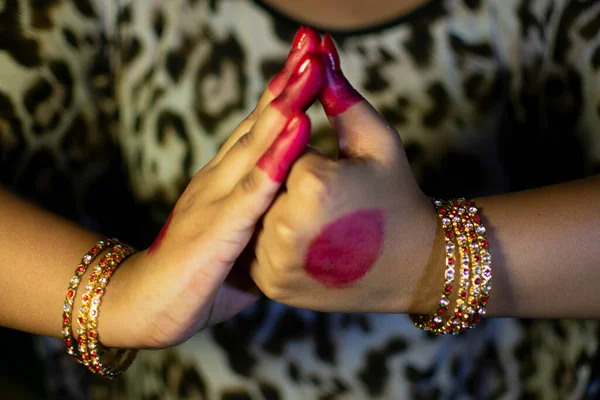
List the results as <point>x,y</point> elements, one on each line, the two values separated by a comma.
<point>347,248</point>
<point>306,41</point>
<point>338,95</point>
<point>161,235</point>
<point>287,147</point>
<point>303,87</point>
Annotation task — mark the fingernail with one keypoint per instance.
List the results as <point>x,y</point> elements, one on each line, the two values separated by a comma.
<point>330,53</point>
<point>305,83</point>
<point>292,122</point>
<point>300,38</point>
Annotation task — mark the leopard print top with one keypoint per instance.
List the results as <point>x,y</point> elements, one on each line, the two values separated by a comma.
<point>108,108</point>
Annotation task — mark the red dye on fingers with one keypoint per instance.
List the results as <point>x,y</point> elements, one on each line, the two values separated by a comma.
<point>160,237</point>
<point>306,41</point>
<point>347,248</point>
<point>303,86</point>
<point>287,147</point>
<point>337,95</point>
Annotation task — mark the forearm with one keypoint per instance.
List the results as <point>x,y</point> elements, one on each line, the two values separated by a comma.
<point>545,247</point>
<point>40,252</point>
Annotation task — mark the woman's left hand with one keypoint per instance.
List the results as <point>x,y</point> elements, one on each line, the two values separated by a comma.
<point>352,234</point>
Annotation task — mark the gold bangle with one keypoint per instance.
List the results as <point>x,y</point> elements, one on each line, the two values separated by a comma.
<point>67,330</point>
<point>90,348</point>
<point>120,359</point>
<point>435,322</point>
<point>482,261</point>
<point>475,270</point>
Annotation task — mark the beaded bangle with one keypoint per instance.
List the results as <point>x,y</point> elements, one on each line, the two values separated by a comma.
<point>116,366</point>
<point>435,322</point>
<point>89,346</point>
<point>67,330</point>
<point>462,229</point>
<point>462,222</point>
<point>482,271</point>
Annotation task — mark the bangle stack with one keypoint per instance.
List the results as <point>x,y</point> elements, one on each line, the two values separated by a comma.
<point>467,259</point>
<point>87,349</point>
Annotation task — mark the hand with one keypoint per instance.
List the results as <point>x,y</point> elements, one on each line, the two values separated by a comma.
<point>177,286</point>
<point>352,234</point>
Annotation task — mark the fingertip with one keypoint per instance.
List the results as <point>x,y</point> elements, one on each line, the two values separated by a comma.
<point>306,41</point>
<point>329,53</point>
<point>313,39</point>
<point>303,87</point>
<point>286,148</point>
<point>337,94</point>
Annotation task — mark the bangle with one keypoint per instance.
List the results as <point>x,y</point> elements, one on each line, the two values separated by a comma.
<point>89,345</point>
<point>482,270</point>
<point>67,330</point>
<point>463,228</point>
<point>119,359</point>
<point>89,350</point>
<point>435,322</point>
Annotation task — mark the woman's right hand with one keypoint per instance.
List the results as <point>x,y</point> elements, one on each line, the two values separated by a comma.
<point>177,287</point>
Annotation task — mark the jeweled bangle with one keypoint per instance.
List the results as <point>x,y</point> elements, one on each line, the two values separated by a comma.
<point>462,222</point>
<point>482,266</point>
<point>471,305</point>
<point>67,330</point>
<point>435,322</point>
<point>120,358</point>
<point>108,261</point>
<point>464,228</point>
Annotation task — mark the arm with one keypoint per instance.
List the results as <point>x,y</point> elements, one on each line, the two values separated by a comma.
<point>358,235</point>
<point>39,254</point>
<point>545,245</point>
<point>162,296</point>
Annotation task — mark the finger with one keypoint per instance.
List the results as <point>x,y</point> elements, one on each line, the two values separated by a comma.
<point>362,132</point>
<point>255,191</point>
<point>301,91</point>
<point>306,178</point>
<point>306,41</point>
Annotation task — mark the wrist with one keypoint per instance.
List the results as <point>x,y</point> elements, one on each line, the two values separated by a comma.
<point>120,319</point>
<point>416,261</point>
<point>429,269</point>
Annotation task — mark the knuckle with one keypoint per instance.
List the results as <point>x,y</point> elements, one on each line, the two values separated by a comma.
<point>313,185</point>
<point>245,141</point>
<point>283,231</point>
<point>253,116</point>
<point>274,291</point>
<point>249,183</point>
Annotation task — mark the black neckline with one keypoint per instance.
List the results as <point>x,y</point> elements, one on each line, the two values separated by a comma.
<point>345,33</point>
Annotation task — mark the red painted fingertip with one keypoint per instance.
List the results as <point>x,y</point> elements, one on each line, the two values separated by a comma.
<point>337,95</point>
<point>303,87</point>
<point>329,51</point>
<point>286,148</point>
<point>307,40</point>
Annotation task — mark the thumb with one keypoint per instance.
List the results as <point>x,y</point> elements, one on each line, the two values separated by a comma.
<point>362,132</point>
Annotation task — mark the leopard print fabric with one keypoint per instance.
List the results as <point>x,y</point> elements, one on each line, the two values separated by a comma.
<point>504,94</point>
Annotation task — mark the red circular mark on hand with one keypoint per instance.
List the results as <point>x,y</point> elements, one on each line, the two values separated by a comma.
<point>160,237</point>
<point>347,248</point>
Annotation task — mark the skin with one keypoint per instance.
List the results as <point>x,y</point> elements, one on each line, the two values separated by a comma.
<point>305,41</point>
<point>338,95</point>
<point>543,242</point>
<point>345,14</point>
<point>291,142</point>
<point>160,237</point>
<point>161,300</point>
